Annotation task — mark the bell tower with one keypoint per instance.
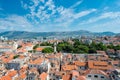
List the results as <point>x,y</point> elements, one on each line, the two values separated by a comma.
<point>55,47</point>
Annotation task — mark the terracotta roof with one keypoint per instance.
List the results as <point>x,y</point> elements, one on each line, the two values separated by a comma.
<point>11,56</point>
<point>27,44</point>
<point>81,78</point>
<point>75,73</point>
<point>66,77</point>
<point>115,62</point>
<point>6,60</point>
<point>23,76</point>
<point>51,56</point>
<point>37,61</point>
<point>12,73</point>
<point>60,73</point>
<point>21,50</point>
<point>98,72</point>
<point>58,54</point>
<point>33,70</point>
<point>99,65</point>
<point>69,67</point>
<point>39,49</point>
<point>23,69</point>
<point>78,63</point>
<point>43,76</point>
<point>6,47</point>
<point>69,56</point>
<point>21,56</point>
<point>6,78</point>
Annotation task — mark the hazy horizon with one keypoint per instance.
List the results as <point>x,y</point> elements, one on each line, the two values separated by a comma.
<point>60,15</point>
<point>59,31</point>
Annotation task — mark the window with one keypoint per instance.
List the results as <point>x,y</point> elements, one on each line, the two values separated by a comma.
<point>50,74</point>
<point>96,76</point>
<point>57,77</point>
<point>63,73</point>
<point>76,76</point>
<point>89,75</point>
<point>102,77</point>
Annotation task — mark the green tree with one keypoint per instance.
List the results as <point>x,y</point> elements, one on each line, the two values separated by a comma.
<point>81,49</point>
<point>46,44</point>
<point>19,46</point>
<point>77,43</point>
<point>48,50</point>
<point>16,56</point>
<point>117,47</point>
<point>101,46</point>
<point>36,46</point>
<point>92,50</point>
<point>65,47</point>
<point>111,46</point>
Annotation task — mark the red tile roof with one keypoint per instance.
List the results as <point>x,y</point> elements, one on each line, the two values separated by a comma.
<point>69,67</point>
<point>78,63</point>
<point>39,49</point>
<point>43,76</point>
<point>99,65</point>
<point>66,77</point>
<point>6,78</point>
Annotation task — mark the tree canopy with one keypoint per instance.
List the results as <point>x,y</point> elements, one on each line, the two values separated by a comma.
<point>78,47</point>
<point>48,50</point>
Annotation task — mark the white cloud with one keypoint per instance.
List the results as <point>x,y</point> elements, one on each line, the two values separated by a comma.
<point>15,22</point>
<point>106,15</point>
<point>76,4</point>
<point>106,26</point>
<point>44,12</point>
<point>71,15</point>
<point>83,13</point>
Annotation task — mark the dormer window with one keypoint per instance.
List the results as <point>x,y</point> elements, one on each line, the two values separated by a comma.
<point>63,73</point>
<point>57,77</point>
<point>50,74</point>
<point>102,77</point>
<point>53,74</point>
<point>89,75</point>
<point>96,76</point>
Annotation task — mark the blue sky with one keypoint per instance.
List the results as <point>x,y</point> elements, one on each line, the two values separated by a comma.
<point>60,15</point>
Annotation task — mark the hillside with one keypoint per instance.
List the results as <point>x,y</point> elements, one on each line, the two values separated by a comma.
<point>25,34</point>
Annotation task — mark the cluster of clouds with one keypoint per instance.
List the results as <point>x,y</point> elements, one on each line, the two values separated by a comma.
<point>107,21</point>
<point>42,11</point>
<point>15,22</point>
<point>106,15</point>
<point>45,15</point>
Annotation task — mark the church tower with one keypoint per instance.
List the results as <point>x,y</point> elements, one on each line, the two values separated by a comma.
<point>55,47</point>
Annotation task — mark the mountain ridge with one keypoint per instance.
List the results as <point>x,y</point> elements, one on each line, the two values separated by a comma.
<point>27,34</point>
